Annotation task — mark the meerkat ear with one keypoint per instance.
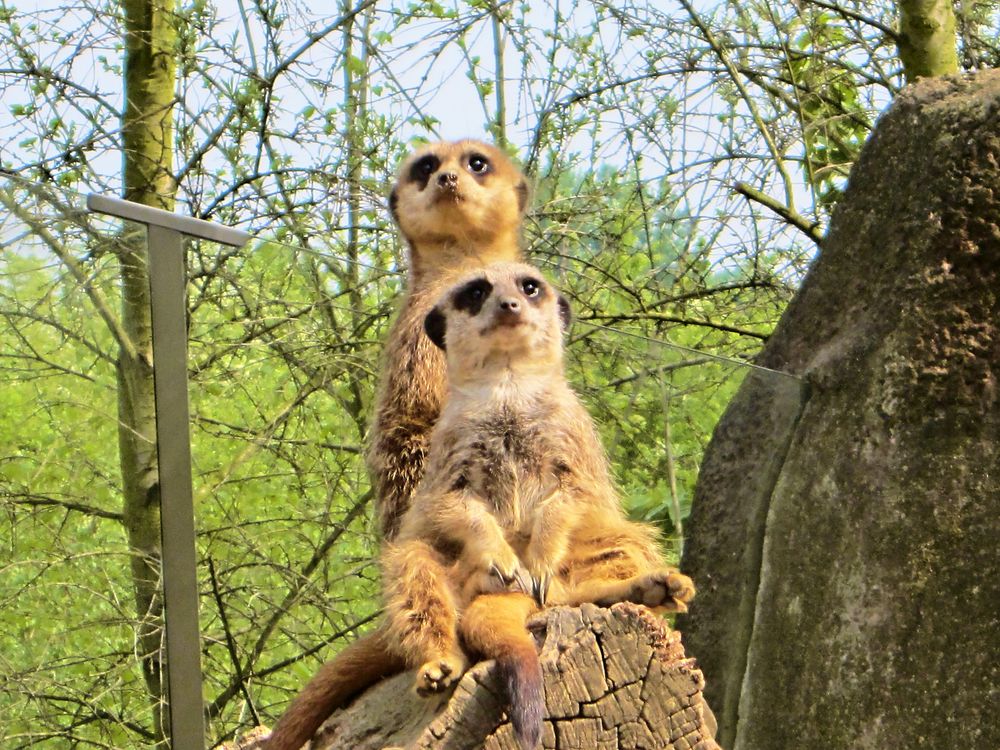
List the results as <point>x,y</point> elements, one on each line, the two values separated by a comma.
<point>434,327</point>
<point>522,191</point>
<point>393,205</point>
<point>565,314</point>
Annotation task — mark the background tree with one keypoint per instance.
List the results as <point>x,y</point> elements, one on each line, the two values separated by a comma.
<point>147,139</point>
<point>927,44</point>
<point>685,162</point>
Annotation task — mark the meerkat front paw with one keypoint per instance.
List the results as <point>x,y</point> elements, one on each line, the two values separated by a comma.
<point>666,588</point>
<point>437,675</point>
<point>499,562</point>
<point>542,558</point>
<point>492,582</point>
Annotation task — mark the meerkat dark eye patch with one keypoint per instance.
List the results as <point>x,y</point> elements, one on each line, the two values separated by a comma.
<point>565,314</point>
<point>435,326</point>
<point>471,296</point>
<point>423,168</point>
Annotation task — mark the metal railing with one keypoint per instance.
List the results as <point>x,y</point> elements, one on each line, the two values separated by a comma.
<point>167,278</point>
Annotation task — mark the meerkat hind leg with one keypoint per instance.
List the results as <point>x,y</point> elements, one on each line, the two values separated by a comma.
<point>622,563</point>
<point>421,615</point>
<point>665,589</point>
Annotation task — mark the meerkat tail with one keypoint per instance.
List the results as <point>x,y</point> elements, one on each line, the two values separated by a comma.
<point>494,626</point>
<point>359,666</point>
<point>521,674</point>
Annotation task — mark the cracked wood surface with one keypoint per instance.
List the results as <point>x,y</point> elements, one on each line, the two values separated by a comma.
<point>614,678</point>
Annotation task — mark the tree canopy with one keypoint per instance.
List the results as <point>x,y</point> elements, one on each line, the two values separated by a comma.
<point>684,158</point>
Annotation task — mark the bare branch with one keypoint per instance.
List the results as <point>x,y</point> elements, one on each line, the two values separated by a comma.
<point>810,228</point>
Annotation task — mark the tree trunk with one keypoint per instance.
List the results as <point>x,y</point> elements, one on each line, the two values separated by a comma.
<point>927,41</point>
<point>846,556</point>
<point>614,678</point>
<point>147,138</point>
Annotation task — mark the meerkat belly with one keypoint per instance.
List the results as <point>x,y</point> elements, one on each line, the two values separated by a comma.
<point>512,469</point>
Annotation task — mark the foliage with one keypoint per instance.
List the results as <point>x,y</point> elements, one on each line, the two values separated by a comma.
<point>636,123</point>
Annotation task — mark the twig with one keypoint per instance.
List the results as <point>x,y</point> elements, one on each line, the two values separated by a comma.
<point>660,370</point>
<point>663,318</point>
<point>230,642</point>
<point>791,217</point>
<point>51,502</point>
<point>888,31</point>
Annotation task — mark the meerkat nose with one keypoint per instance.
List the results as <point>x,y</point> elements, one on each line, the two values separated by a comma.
<point>510,304</point>
<point>447,179</point>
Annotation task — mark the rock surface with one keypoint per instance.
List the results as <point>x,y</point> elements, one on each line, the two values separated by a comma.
<point>846,552</point>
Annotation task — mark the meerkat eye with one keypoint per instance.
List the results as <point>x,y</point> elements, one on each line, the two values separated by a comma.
<point>478,164</point>
<point>530,287</point>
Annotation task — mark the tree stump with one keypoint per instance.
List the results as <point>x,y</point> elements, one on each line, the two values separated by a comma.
<point>614,678</point>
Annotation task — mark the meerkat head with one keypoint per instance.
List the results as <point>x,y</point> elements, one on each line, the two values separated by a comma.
<point>503,316</point>
<point>463,192</point>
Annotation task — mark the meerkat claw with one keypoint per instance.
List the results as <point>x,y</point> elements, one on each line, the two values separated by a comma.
<point>505,578</point>
<point>525,583</point>
<point>540,588</point>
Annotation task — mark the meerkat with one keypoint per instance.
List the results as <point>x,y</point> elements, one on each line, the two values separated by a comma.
<point>516,493</point>
<point>459,206</point>
<point>587,551</point>
<point>605,565</point>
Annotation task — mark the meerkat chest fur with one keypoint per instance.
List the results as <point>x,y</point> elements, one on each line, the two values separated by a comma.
<point>507,449</point>
<point>508,425</point>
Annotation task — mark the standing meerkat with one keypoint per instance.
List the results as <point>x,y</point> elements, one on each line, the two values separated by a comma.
<point>459,206</point>
<point>516,491</point>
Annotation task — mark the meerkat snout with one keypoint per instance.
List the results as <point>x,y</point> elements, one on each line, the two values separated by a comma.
<point>508,312</point>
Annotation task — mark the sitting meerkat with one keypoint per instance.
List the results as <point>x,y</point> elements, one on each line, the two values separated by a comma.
<point>459,206</point>
<point>516,494</point>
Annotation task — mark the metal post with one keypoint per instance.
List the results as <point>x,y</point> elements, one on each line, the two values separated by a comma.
<point>167,279</point>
